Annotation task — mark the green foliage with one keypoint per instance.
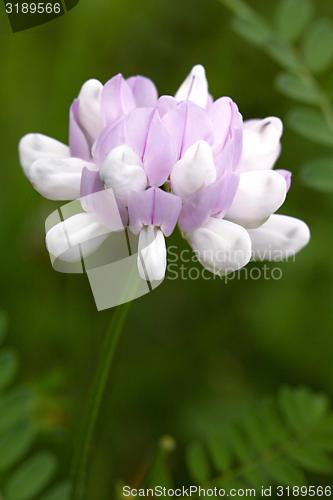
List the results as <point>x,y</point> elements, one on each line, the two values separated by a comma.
<point>292,17</point>
<point>280,52</point>
<point>298,87</point>
<point>319,174</point>
<point>312,54</point>
<point>58,492</point>
<point>280,442</point>
<point>31,477</point>
<point>8,367</point>
<point>311,124</point>
<point>3,325</point>
<point>197,462</point>
<point>318,45</point>
<point>252,30</point>
<point>159,473</point>
<point>24,474</point>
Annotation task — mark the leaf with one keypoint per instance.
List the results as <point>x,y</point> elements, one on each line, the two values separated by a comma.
<point>32,477</point>
<point>283,472</point>
<point>220,453</point>
<point>239,445</point>
<point>297,88</point>
<point>252,30</point>
<point>283,54</point>
<point>159,473</point>
<point>318,174</point>
<point>14,407</point>
<point>292,17</point>
<point>8,367</point>
<point>318,45</point>
<point>197,462</point>
<point>256,433</point>
<point>3,325</point>
<point>15,443</point>
<point>311,459</point>
<point>312,408</point>
<point>289,408</point>
<point>273,426</point>
<point>58,492</point>
<point>311,124</point>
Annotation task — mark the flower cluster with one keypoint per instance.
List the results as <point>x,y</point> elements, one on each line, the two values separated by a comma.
<point>186,160</point>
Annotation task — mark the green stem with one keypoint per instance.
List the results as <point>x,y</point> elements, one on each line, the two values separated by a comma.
<point>81,459</point>
<point>243,10</point>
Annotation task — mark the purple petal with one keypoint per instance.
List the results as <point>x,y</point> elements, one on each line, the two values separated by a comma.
<point>166,103</point>
<point>220,113</point>
<point>223,191</point>
<point>166,210</point>
<point>131,131</point>
<point>187,124</point>
<point>213,200</point>
<point>237,134</point>
<point>78,142</point>
<point>102,202</point>
<point>286,174</point>
<point>144,91</point>
<point>90,182</point>
<point>210,101</point>
<point>228,157</point>
<point>153,207</point>
<point>117,99</point>
<point>160,152</point>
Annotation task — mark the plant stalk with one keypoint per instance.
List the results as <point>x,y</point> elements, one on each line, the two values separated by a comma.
<point>86,437</point>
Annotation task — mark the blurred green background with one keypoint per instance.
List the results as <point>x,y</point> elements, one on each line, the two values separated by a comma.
<point>194,353</point>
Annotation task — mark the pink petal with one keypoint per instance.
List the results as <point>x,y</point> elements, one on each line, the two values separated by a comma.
<point>102,202</point>
<point>131,130</point>
<point>166,103</point>
<point>286,174</point>
<point>220,113</point>
<point>144,91</point>
<point>153,207</point>
<point>187,124</point>
<point>160,153</point>
<point>90,182</point>
<point>78,142</point>
<point>213,200</point>
<point>117,99</point>
<point>228,156</point>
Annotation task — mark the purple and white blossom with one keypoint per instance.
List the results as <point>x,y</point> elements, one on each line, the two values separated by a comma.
<point>185,160</point>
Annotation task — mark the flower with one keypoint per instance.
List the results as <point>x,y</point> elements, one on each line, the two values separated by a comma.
<point>186,160</point>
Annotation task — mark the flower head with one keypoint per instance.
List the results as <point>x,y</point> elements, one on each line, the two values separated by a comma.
<point>186,160</point>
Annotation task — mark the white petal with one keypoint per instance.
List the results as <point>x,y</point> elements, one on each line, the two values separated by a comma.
<point>151,254</point>
<point>279,238</point>
<point>32,147</point>
<point>57,178</point>
<point>90,108</point>
<point>261,143</point>
<point>122,172</point>
<point>194,171</point>
<point>195,87</point>
<point>221,246</point>
<point>77,236</point>
<point>259,195</point>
